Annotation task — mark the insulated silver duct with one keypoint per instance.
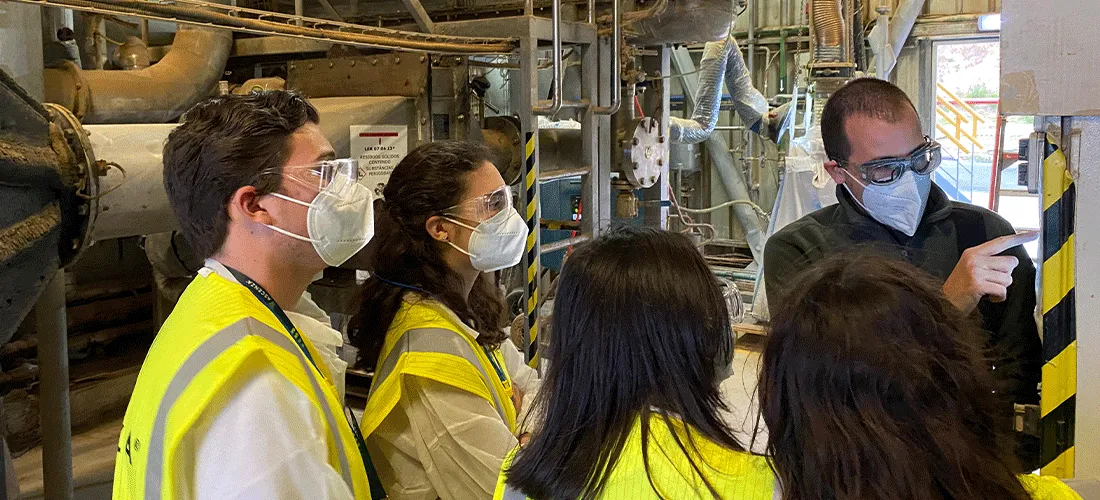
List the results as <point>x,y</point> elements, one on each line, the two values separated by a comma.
<point>708,99</point>
<point>157,94</point>
<point>733,180</point>
<point>722,61</point>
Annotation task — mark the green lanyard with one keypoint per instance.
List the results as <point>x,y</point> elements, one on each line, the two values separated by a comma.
<point>376,489</point>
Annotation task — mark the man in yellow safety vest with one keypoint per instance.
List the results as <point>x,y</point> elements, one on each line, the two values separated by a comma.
<point>232,400</point>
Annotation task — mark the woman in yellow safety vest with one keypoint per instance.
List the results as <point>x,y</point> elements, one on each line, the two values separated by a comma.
<point>630,406</point>
<point>873,386</point>
<point>441,414</point>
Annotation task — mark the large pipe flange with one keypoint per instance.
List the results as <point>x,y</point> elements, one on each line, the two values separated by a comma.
<point>644,151</point>
<point>79,170</point>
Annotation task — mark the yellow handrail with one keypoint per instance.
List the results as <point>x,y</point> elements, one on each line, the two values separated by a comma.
<point>970,116</point>
<point>943,102</point>
<point>952,139</point>
<point>959,130</point>
<point>960,101</point>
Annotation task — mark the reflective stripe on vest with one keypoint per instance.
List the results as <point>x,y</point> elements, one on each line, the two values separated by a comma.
<point>196,362</point>
<point>435,340</point>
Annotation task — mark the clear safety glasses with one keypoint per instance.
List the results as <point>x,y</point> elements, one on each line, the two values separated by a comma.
<point>481,208</point>
<point>884,171</point>
<point>322,174</point>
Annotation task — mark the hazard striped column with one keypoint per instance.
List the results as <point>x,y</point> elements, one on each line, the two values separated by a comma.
<point>531,258</point>
<point>1058,404</point>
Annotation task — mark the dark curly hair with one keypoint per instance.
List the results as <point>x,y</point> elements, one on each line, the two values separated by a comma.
<point>431,179</point>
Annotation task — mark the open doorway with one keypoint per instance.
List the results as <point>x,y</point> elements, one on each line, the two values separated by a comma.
<point>966,108</point>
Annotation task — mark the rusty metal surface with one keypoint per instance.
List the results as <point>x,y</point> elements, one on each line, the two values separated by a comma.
<point>31,211</point>
<point>395,74</point>
<point>502,136</point>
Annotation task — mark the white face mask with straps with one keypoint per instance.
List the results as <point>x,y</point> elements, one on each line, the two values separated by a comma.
<point>899,205</point>
<point>340,220</point>
<point>497,242</point>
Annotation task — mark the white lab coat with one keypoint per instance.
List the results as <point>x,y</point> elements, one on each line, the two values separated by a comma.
<point>267,442</point>
<point>443,442</point>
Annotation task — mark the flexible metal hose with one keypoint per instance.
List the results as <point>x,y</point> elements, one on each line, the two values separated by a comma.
<point>829,29</point>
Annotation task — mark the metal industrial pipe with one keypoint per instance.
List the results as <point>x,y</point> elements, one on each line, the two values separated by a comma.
<point>616,63</point>
<point>750,144</point>
<point>899,27</point>
<point>133,203</point>
<point>157,94</point>
<point>718,150</point>
<point>563,244</point>
<point>708,100</point>
<point>195,12</point>
<point>721,63</point>
<point>53,402</point>
<point>555,102</point>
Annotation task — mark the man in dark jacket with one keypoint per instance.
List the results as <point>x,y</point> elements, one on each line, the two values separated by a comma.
<point>882,164</point>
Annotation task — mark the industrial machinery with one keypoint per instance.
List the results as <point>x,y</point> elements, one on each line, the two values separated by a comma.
<point>691,115</point>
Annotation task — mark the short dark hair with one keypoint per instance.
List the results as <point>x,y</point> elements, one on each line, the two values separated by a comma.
<point>870,372</point>
<point>633,339</point>
<point>864,96</point>
<point>223,144</point>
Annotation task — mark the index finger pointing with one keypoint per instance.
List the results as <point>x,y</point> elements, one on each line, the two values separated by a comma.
<point>1000,244</point>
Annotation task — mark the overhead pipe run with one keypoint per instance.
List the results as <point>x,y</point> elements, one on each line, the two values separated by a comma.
<point>273,23</point>
<point>157,94</point>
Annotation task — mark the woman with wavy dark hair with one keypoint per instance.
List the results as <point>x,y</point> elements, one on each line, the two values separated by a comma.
<point>873,386</point>
<point>630,406</point>
<point>440,415</point>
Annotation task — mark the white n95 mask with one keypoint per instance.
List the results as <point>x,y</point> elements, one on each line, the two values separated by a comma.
<point>900,204</point>
<point>340,220</point>
<point>497,242</point>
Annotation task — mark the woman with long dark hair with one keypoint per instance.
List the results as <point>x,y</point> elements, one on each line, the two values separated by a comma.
<point>630,404</point>
<point>873,386</point>
<point>440,416</point>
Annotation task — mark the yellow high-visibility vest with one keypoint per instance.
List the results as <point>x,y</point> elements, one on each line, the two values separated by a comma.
<point>734,475</point>
<point>218,336</point>
<point>427,340</point>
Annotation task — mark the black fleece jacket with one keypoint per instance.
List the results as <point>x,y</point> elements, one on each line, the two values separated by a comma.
<point>946,229</point>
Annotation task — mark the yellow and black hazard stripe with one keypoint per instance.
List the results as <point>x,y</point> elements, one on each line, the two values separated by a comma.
<point>1059,394</point>
<point>532,257</point>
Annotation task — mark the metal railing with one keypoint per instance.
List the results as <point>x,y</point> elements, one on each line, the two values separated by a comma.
<point>946,108</point>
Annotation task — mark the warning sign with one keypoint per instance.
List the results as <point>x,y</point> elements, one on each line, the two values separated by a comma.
<point>378,148</point>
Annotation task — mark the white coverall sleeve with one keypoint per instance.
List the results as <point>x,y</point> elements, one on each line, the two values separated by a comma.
<point>450,439</point>
<point>524,378</point>
<point>266,443</point>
